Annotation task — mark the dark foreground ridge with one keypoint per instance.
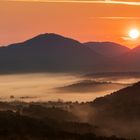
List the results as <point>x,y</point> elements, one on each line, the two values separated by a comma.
<point>30,124</point>
<point>119,112</point>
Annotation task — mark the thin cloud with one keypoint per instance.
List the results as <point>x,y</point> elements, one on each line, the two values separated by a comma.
<point>117,18</point>
<point>84,1</point>
<point>127,38</point>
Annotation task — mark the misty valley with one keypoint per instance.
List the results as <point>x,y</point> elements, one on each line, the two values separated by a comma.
<point>70,106</point>
<point>69,69</point>
<point>62,86</point>
<point>56,88</point>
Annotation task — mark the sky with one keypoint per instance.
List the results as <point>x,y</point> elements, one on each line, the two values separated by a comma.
<point>83,20</point>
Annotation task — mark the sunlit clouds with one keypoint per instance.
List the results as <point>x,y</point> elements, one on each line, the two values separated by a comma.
<point>137,3</point>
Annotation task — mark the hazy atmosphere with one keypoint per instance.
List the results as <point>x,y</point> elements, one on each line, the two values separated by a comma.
<point>54,87</point>
<point>69,69</point>
<point>32,87</point>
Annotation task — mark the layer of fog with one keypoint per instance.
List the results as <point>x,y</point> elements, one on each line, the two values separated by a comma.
<point>41,87</point>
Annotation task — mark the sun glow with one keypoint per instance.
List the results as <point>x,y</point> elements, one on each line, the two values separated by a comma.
<point>134,33</point>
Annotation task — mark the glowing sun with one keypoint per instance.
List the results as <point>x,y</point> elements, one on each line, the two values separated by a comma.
<point>134,33</point>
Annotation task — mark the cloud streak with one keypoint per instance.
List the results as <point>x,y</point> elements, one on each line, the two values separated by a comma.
<point>116,18</point>
<point>84,1</point>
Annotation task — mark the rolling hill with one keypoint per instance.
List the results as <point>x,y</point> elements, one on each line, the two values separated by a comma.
<point>119,112</point>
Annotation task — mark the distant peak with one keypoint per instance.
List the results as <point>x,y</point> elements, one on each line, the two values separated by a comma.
<point>105,43</point>
<point>50,36</point>
<point>136,48</point>
<point>46,35</point>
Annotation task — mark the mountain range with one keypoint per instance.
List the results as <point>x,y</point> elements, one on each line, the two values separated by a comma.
<point>54,53</point>
<point>107,49</point>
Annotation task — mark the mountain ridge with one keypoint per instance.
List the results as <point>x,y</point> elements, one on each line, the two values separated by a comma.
<point>108,49</point>
<point>51,52</point>
<point>47,52</point>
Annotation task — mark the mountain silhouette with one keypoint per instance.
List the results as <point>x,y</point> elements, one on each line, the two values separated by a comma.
<point>127,97</point>
<point>119,112</point>
<point>128,61</point>
<point>136,49</point>
<point>54,53</point>
<point>122,59</point>
<point>47,52</point>
<point>108,49</point>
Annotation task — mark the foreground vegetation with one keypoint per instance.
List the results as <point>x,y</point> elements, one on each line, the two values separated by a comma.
<point>36,121</point>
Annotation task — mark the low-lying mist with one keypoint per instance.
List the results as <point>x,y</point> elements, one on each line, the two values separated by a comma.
<point>52,86</point>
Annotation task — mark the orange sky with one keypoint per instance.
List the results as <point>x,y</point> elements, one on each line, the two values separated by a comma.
<point>82,20</point>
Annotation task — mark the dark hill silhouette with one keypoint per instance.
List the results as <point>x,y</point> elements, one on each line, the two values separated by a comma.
<point>136,49</point>
<point>108,49</point>
<point>53,113</point>
<point>128,61</point>
<point>19,127</point>
<point>55,53</point>
<point>122,59</point>
<point>85,86</point>
<point>119,112</point>
<point>127,97</point>
<point>47,52</point>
